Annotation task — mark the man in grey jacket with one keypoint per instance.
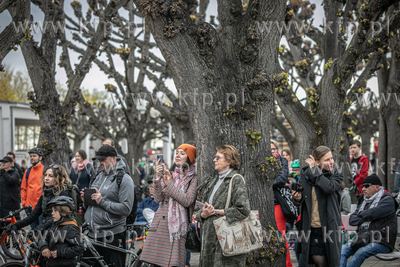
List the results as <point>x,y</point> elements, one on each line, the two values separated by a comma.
<point>113,203</point>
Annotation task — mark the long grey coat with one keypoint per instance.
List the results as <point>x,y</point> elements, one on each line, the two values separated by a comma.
<point>239,209</point>
<point>327,189</point>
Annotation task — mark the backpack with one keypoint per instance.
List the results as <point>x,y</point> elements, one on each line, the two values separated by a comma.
<point>130,219</point>
<point>76,197</point>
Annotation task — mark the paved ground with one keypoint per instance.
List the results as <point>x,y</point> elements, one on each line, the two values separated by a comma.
<point>371,262</point>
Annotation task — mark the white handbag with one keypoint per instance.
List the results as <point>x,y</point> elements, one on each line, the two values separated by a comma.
<point>239,237</point>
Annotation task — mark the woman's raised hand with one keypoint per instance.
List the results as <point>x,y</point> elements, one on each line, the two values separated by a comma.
<point>311,161</point>
<point>167,177</point>
<point>158,168</point>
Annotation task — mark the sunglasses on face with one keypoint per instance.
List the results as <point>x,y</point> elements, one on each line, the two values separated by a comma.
<point>54,166</point>
<point>366,185</point>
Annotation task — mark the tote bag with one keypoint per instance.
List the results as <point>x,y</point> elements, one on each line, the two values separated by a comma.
<point>239,237</point>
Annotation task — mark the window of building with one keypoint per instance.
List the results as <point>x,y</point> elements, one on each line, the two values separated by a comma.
<point>26,137</point>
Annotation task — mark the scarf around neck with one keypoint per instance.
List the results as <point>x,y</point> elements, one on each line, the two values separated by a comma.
<point>177,214</point>
<point>373,201</point>
<point>81,165</point>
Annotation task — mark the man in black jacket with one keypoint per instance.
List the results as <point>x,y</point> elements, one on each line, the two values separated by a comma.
<point>16,165</point>
<point>377,215</point>
<point>10,192</point>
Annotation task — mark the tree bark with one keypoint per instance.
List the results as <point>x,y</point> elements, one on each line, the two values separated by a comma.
<point>204,64</point>
<point>389,123</point>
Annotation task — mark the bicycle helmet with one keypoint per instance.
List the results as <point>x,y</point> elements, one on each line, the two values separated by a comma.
<point>36,150</point>
<point>62,201</point>
<point>295,164</point>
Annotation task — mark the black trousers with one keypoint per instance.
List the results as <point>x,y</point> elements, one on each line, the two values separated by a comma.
<point>110,256</point>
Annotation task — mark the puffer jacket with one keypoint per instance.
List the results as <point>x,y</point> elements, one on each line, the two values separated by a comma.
<point>116,203</point>
<point>41,208</point>
<point>64,237</point>
<point>10,191</point>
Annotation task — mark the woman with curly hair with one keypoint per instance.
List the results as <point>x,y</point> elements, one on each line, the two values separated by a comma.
<point>55,182</point>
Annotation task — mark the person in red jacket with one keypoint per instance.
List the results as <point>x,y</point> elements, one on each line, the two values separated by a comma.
<point>31,186</point>
<point>359,165</point>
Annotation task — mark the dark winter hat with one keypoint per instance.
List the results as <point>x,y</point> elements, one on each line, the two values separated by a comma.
<point>104,152</point>
<point>373,179</point>
<point>6,159</point>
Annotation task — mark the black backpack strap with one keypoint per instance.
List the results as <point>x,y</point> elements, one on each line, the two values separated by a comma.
<point>119,177</point>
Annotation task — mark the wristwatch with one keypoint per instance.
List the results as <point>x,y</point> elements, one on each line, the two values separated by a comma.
<point>217,212</point>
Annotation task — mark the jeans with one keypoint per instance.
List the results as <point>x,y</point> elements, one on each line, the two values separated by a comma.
<point>36,222</point>
<point>187,258</point>
<point>361,254</point>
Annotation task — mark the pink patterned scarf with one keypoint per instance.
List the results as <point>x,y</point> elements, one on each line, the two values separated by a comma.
<point>177,214</point>
<point>80,166</point>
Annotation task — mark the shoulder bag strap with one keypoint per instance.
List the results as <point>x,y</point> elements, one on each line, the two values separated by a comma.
<point>228,200</point>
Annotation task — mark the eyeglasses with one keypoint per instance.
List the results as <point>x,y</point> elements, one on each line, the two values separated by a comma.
<point>217,157</point>
<point>54,166</point>
<point>366,185</point>
<point>274,149</point>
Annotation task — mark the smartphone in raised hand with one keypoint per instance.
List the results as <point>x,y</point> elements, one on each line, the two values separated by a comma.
<point>160,157</point>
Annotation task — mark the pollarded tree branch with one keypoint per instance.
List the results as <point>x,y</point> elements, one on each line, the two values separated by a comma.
<point>13,34</point>
<point>90,54</point>
<point>359,86</point>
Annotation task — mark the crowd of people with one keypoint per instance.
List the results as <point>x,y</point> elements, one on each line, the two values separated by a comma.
<point>176,203</point>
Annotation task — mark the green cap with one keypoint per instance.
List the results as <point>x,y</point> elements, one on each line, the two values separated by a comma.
<point>295,164</point>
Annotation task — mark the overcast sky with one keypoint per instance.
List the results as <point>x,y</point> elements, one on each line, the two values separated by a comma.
<point>96,78</point>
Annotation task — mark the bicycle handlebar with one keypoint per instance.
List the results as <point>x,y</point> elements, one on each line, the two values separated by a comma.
<point>13,213</point>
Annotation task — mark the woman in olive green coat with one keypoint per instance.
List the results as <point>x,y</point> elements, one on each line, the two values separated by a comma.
<point>214,194</point>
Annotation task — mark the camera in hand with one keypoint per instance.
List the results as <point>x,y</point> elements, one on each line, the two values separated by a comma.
<point>296,187</point>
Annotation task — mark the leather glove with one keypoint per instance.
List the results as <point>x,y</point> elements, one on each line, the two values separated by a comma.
<point>11,227</point>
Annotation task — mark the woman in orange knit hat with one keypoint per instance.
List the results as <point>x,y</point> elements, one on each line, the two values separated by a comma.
<point>176,193</point>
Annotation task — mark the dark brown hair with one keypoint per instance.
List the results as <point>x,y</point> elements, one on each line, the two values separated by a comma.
<point>81,153</point>
<point>320,152</point>
<point>355,142</point>
<point>231,155</point>
<point>287,151</point>
<point>12,154</point>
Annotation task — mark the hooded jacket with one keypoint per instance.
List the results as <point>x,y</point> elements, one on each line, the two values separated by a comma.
<point>116,203</point>
<point>67,248</point>
<point>10,193</point>
<point>362,173</point>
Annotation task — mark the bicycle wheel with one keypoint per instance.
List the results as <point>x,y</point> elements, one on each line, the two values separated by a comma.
<point>139,263</point>
<point>2,258</point>
<point>11,249</point>
<point>13,264</point>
